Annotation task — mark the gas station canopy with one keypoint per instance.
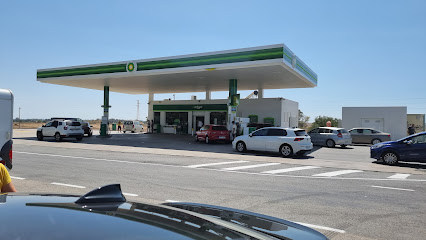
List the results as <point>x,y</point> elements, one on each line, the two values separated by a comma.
<point>265,67</point>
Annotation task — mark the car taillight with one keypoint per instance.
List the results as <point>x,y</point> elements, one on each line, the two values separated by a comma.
<point>389,135</point>
<point>298,139</point>
<point>339,135</point>
<point>65,127</point>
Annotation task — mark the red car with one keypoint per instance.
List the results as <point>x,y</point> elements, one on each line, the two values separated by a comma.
<point>210,133</point>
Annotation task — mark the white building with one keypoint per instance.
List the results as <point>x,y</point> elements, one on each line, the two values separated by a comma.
<point>392,120</point>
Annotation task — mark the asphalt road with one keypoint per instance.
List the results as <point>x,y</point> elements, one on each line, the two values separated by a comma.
<point>344,203</point>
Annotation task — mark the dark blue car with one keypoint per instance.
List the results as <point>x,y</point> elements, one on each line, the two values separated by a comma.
<point>408,149</point>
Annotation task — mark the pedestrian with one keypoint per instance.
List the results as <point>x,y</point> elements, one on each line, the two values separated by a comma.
<point>119,126</point>
<point>411,129</point>
<point>234,130</point>
<point>6,184</point>
<point>149,126</point>
<point>152,126</point>
<point>238,129</point>
<point>199,124</point>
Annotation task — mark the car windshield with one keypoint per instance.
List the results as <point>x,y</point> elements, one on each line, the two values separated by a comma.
<point>300,133</point>
<point>219,128</point>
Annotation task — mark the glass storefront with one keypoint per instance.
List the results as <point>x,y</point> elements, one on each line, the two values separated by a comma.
<point>218,118</point>
<point>180,119</point>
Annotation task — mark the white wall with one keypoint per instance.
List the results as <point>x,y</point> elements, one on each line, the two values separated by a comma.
<point>289,113</point>
<point>265,107</point>
<point>394,118</point>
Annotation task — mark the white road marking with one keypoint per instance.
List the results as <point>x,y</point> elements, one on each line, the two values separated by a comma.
<point>250,166</point>
<point>172,201</point>
<point>321,227</point>
<point>220,170</point>
<point>401,189</point>
<point>19,178</point>
<point>336,173</point>
<point>290,169</point>
<point>130,194</point>
<point>214,164</point>
<point>67,185</point>
<point>399,176</point>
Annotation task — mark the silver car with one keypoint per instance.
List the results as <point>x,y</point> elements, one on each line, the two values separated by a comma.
<point>330,137</point>
<point>368,135</point>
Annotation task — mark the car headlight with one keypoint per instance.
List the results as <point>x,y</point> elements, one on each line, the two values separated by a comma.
<point>377,146</point>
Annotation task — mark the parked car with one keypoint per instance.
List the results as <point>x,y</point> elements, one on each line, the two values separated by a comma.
<point>330,137</point>
<point>211,133</point>
<point>132,126</point>
<point>287,141</point>
<point>87,128</point>
<point>60,129</point>
<point>368,135</point>
<point>408,149</point>
<point>104,213</point>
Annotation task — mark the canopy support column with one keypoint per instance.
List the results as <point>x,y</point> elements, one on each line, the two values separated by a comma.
<point>106,106</point>
<point>260,93</point>
<point>234,100</point>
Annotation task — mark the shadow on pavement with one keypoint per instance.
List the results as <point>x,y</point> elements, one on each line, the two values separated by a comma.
<point>414,165</point>
<point>165,141</point>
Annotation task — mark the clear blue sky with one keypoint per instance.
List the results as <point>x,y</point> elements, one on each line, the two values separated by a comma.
<point>366,53</point>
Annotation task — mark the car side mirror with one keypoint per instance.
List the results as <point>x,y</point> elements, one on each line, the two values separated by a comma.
<point>250,135</point>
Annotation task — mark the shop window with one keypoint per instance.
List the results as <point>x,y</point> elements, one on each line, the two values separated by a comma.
<point>156,117</point>
<point>218,118</point>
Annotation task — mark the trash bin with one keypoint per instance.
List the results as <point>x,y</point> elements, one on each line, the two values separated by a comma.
<point>114,126</point>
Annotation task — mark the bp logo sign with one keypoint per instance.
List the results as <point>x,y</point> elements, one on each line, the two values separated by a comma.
<point>131,67</point>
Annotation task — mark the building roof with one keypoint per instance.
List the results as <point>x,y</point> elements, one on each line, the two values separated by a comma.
<point>265,67</point>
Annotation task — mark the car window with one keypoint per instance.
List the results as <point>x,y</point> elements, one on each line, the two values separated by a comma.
<point>300,133</point>
<point>219,128</point>
<point>360,131</point>
<point>206,127</point>
<point>261,132</point>
<point>420,139</point>
<point>55,123</point>
<point>49,124</point>
<point>277,132</point>
<point>325,130</point>
<point>343,131</point>
<point>316,130</point>
<point>60,123</point>
<point>374,131</point>
<point>367,131</point>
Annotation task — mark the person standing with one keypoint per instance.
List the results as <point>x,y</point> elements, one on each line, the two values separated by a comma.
<point>411,129</point>
<point>149,126</point>
<point>119,126</point>
<point>234,130</point>
<point>199,124</point>
<point>6,184</point>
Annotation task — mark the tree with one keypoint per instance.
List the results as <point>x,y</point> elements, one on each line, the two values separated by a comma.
<point>303,120</point>
<point>321,121</point>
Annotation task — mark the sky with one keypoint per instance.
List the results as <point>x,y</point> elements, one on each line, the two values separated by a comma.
<point>366,52</point>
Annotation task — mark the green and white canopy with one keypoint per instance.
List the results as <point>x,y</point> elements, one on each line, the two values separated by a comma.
<point>265,67</point>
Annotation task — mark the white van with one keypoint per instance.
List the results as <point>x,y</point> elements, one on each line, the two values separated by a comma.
<point>132,126</point>
<point>6,127</point>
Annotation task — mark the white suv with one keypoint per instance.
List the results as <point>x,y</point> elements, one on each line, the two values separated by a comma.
<point>61,129</point>
<point>133,126</point>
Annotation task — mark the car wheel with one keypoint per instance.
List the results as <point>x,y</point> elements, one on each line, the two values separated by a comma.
<point>58,137</point>
<point>40,136</point>
<point>133,131</point>
<point>241,146</point>
<point>330,143</point>
<point>343,146</point>
<point>390,158</point>
<point>207,140</point>
<point>124,131</point>
<point>286,150</point>
<point>79,138</point>
<point>196,138</point>
<point>376,141</point>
